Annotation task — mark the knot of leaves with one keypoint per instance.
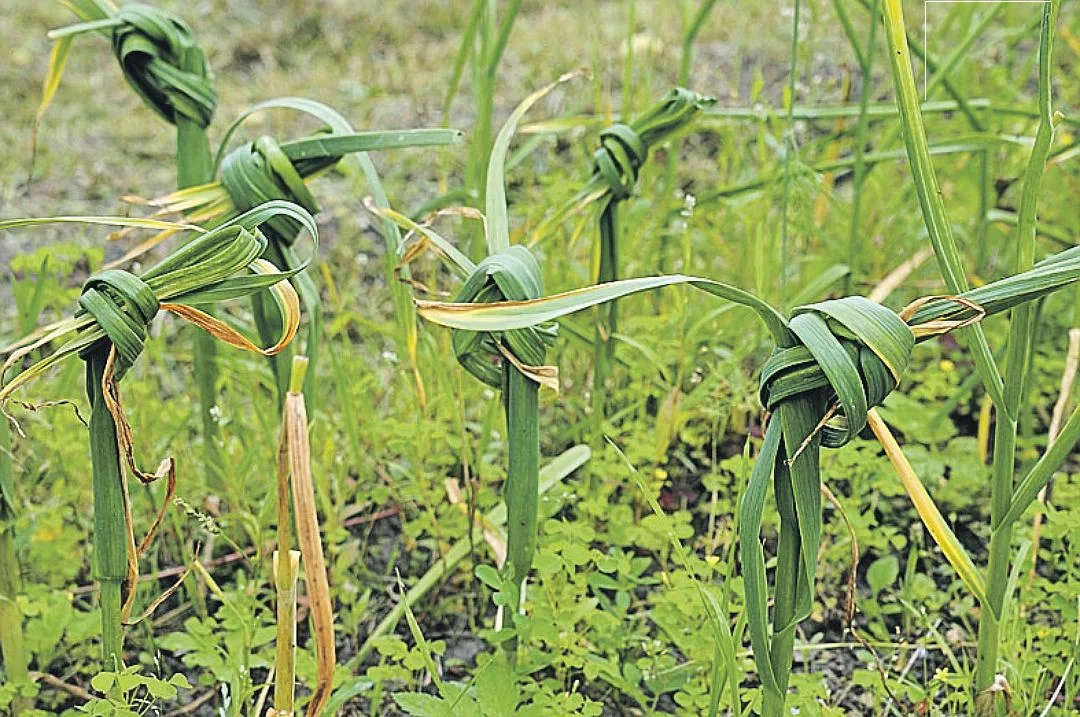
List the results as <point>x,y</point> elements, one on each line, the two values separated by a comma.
<point>511,275</point>
<point>260,171</point>
<point>161,60</point>
<point>624,148</point>
<point>849,355</point>
<point>619,159</point>
<point>123,305</point>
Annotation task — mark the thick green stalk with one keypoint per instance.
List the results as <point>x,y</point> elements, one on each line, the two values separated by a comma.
<point>523,473</point>
<point>16,662</point>
<point>110,556</point>
<point>194,162</point>
<point>194,166</point>
<point>286,571</point>
<point>1017,361</point>
<point>606,318</point>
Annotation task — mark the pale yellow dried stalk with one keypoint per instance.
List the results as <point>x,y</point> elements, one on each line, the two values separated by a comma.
<point>296,459</point>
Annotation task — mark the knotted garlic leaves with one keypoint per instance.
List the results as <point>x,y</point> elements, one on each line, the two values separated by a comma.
<point>110,329</point>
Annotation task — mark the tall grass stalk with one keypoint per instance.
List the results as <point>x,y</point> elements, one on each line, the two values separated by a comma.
<point>937,76</point>
<point>791,149</point>
<point>1007,499</point>
<point>865,56</point>
<point>942,73</point>
<point>693,22</point>
<point>483,43</point>
<point>929,193</point>
<point>1017,364</point>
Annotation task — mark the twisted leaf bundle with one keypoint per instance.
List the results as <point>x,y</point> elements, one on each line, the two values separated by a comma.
<point>110,330</point>
<point>262,170</point>
<point>616,164</point>
<point>505,362</point>
<point>161,61</point>
<point>510,361</point>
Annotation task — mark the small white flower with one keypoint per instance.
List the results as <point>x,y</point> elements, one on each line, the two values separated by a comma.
<point>689,202</point>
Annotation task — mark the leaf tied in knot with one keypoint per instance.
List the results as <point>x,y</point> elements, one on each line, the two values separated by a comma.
<point>625,147</point>
<point>123,305</point>
<point>260,171</point>
<point>619,159</point>
<point>511,275</point>
<point>268,169</point>
<point>162,62</point>
<point>216,266</point>
<point>850,350</point>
